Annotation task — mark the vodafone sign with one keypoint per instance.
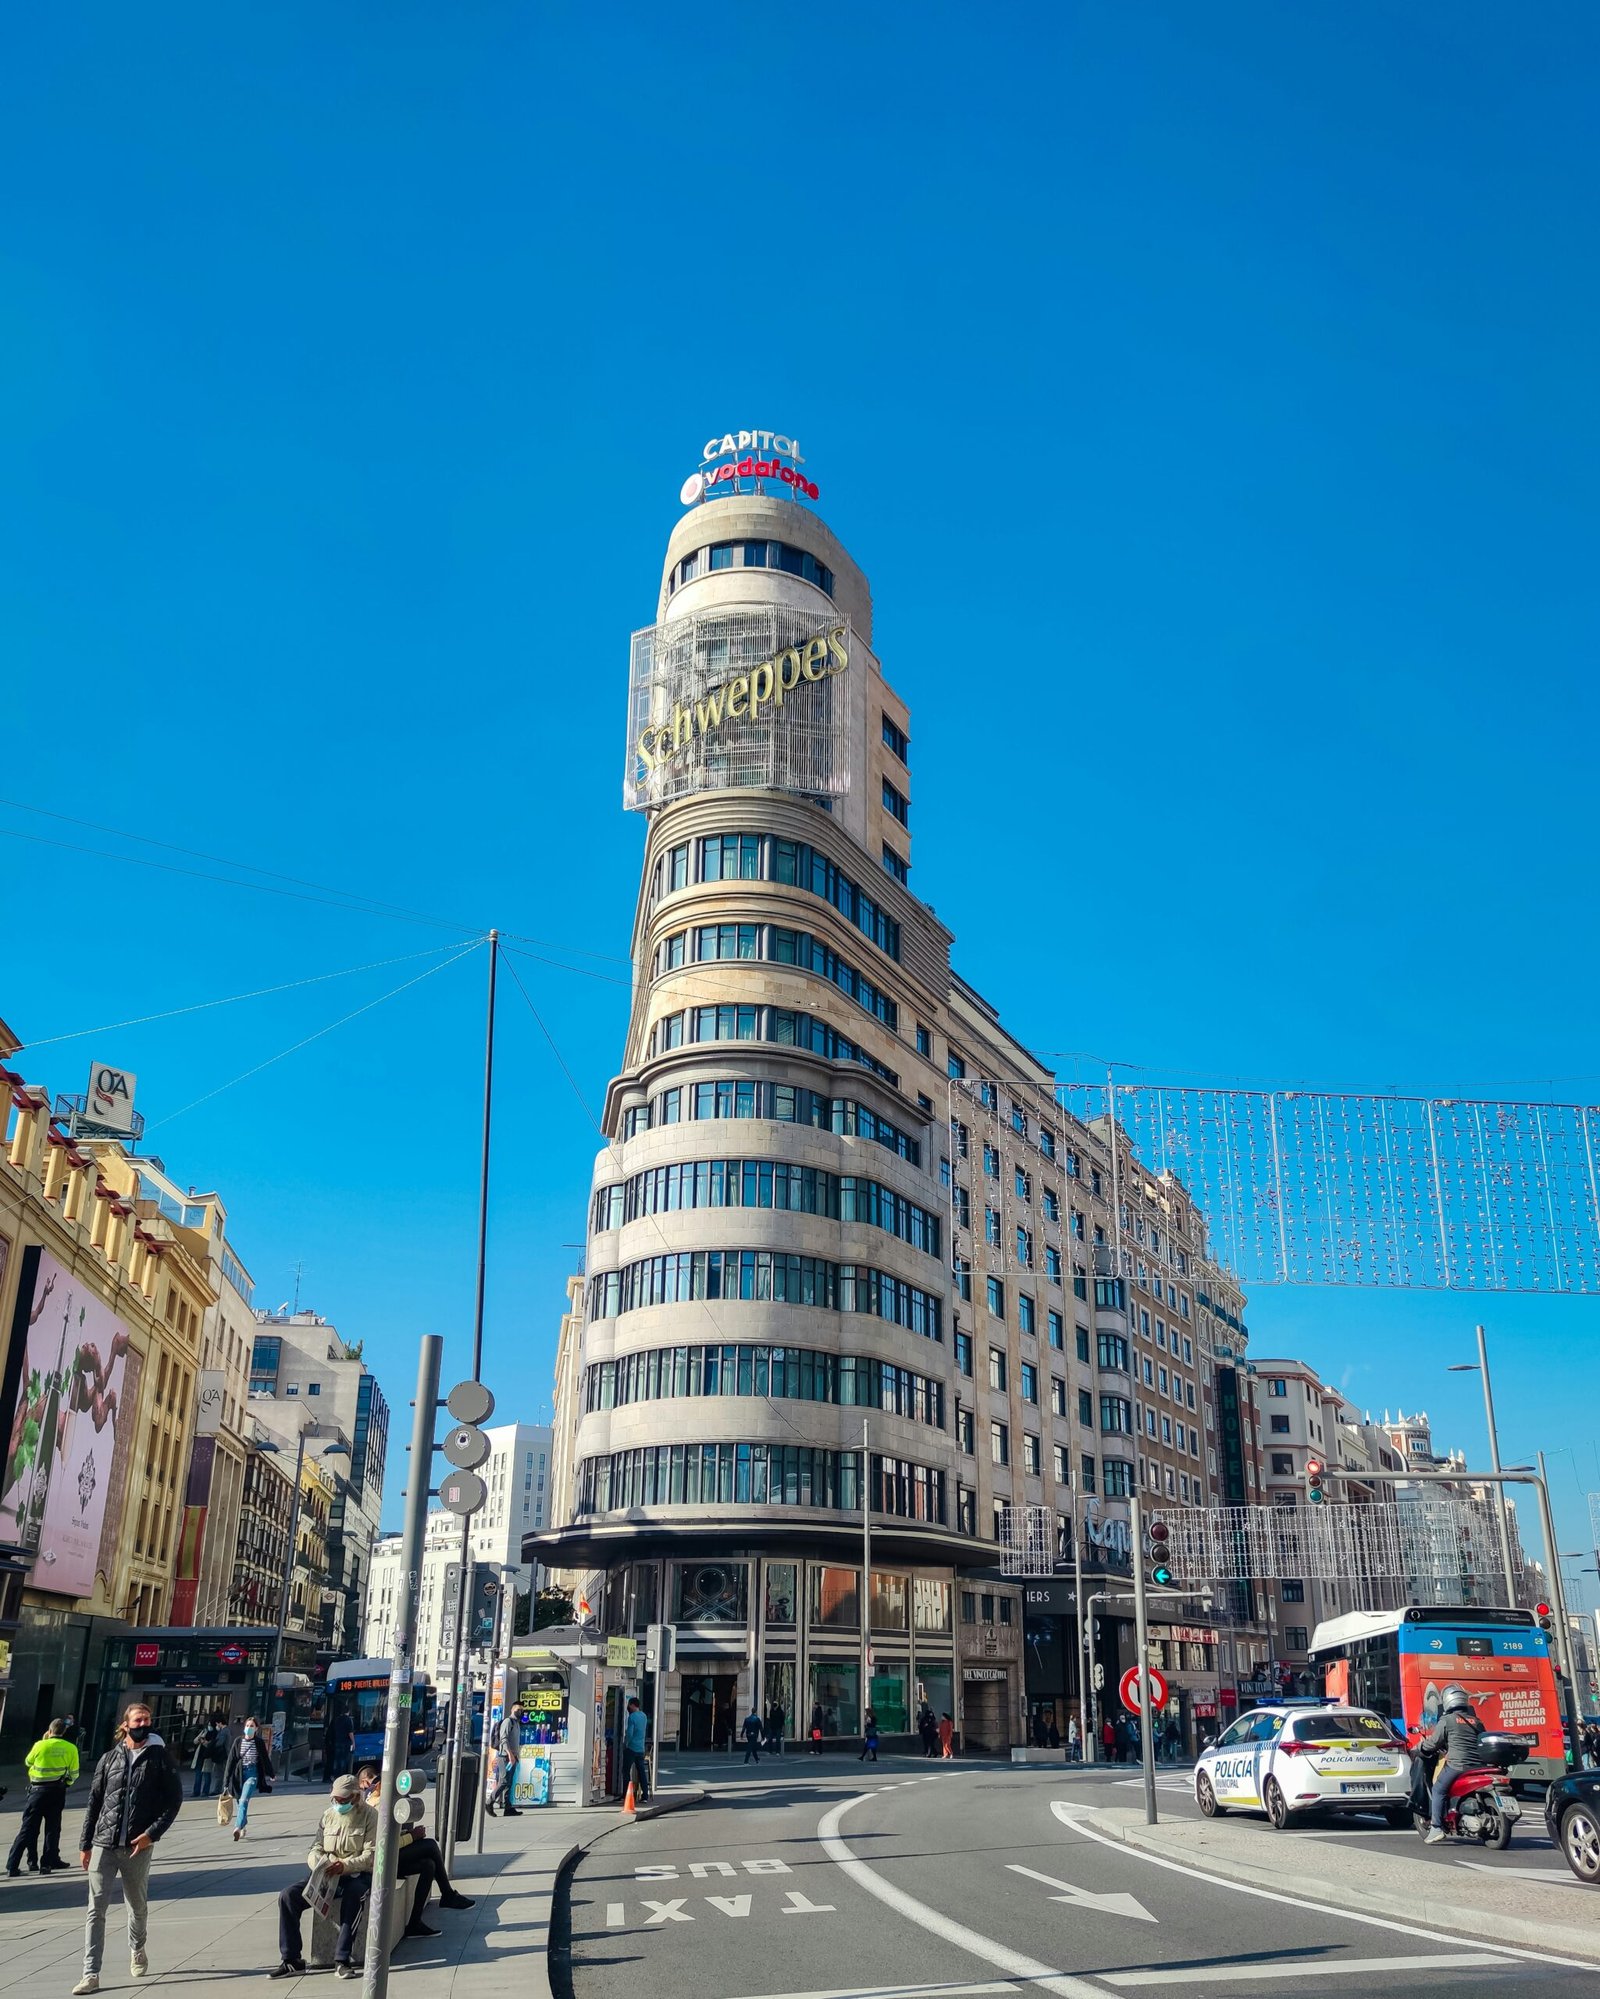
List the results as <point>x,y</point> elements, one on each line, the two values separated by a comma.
<point>752,454</point>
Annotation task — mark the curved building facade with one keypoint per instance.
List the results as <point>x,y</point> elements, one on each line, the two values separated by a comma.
<point>781,1329</point>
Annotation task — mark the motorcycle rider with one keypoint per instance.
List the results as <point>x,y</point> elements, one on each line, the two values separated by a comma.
<point>1459,1733</point>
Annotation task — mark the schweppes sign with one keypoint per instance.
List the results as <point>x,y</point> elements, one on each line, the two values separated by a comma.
<point>743,698</point>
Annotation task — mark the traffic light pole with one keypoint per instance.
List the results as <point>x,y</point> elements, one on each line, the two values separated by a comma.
<point>1141,1630</point>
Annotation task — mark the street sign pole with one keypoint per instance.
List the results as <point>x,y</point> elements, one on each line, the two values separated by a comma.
<point>1141,1626</point>
<point>397,1717</point>
<point>488,1712</point>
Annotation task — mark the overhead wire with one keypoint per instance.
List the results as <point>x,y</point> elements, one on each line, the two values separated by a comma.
<point>244,1076</point>
<point>233,999</point>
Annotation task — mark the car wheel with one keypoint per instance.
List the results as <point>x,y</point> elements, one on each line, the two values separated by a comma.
<point>1580,1842</point>
<point>1206,1798</point>
<point>1276,1803</point>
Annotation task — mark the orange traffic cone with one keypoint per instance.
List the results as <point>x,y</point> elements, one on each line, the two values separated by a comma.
<point>629,1807</point>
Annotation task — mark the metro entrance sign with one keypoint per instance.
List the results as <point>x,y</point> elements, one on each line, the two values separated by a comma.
<point>1132,1694</point>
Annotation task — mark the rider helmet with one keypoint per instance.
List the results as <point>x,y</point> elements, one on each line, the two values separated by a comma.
<point>1455,1699</point>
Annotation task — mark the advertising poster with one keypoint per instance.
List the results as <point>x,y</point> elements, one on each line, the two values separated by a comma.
<point>59,1459</point>
<point>1513,1695</point>
<point>191,1540</point>
<point>533,1776</point>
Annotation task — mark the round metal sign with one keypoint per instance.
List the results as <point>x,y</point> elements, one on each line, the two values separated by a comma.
<point>463,1492</point>
<point>466,1447</point>
<point>470,1402</point>
<point>1131,1688</point>
<point>409,1783</point>
<point>407,1810</point>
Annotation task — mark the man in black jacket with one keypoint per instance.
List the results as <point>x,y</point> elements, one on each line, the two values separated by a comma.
<point>133,1799</point>
<point>1459,1733</point>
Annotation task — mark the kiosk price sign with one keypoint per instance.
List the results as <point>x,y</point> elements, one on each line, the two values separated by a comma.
<point>1135,1687</point>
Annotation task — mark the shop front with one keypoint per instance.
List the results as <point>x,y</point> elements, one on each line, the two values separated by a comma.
<point>189,1676</point>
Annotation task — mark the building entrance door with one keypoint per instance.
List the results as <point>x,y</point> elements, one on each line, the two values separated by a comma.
<point>708,1710</point>
<point>983,1716</point>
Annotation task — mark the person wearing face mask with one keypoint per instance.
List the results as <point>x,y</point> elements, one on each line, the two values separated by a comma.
<point>248,1770</point>
<point>345,1848</point>
<point>133,1799</point>
<point>419,1856</point>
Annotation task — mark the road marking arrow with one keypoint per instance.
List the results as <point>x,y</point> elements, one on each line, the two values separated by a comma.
<point>1110,1905</point>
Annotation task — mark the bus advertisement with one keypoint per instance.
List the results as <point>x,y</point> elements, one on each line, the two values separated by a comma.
<point>1399,1663</point>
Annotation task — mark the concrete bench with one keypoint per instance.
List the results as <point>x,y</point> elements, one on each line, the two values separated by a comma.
<point>325,1933</point>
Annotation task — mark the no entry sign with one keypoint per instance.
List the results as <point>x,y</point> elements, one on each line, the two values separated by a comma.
<point>1132,1693</point>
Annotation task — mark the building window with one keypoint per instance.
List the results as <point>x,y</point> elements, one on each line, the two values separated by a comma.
<point>1280,1426</point>
<point>1277,1386</point>
<point>1086,1408</point>
<point>996,1292</point>
<point>1118,1480</point>
<point>1113,1351</point>
<point>1083,1344</point>
<point>963,1352</point>
<point>1294,1637</point>
<point>896,804</point>
<point>997,1368</point>
<point>1058,1396</point>
<point>1282,1464</point>
<point>1061,1462</point>
<point>1116,1413</point>
<point>1294,1592</point>
<point>896,864</point>
<point>895,738</point>
<point>964,1431</point>
<point>969,1606</point>
<point>1030,1455</point>
<point>1030,1382</point>
<point>924,1040</point>
<point>313,1388</point>
<point>999,1443</point>
<point>1057,1330</point>
<point>1026,1318</point>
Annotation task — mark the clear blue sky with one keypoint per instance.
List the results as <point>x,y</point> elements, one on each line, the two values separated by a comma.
<point>1217,382</point>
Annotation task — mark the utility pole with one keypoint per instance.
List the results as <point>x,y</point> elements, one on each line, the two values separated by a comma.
<point>1558,1599</point>
<point>1499,1491</point>
<point>397,1720</point>
<point>1141,1627</point>
<point>502,1623</point>
<point>460,1709</point>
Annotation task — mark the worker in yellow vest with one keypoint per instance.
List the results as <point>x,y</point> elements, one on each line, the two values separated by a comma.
<point>52,1769</point>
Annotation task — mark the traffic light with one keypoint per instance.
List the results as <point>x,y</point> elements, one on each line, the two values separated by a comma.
<point>1158,1546</point>
<point>1546,1618</point>
<point>466,1447</point>
<point>1315,1494</point>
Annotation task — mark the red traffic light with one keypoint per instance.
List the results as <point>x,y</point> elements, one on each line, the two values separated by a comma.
<point>1313,1467</point>
<point>1159,1530</point>
<point>1542,1610</point>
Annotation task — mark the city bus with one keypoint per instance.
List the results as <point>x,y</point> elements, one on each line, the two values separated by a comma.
<point>1399,1662</point>
<point>358,1695</point>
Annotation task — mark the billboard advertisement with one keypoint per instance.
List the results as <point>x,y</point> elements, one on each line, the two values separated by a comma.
<point>1507,1672</point>
<point>61,1454</point>
<point>754,698</point>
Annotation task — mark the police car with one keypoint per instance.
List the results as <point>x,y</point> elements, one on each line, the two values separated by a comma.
<point>1306,1757</point>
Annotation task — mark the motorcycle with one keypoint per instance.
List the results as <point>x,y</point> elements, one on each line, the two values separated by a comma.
<point>1481,1806</point>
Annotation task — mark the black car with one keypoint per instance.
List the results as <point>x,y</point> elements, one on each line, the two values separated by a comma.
<point>1572,1812</point>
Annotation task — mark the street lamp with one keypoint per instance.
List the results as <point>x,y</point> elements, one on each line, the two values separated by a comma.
<point>266,1445</point>
<point>1481,1366</point>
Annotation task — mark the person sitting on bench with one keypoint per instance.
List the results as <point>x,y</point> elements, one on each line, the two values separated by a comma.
<point>346,1842</point>
<point>420,1856</point>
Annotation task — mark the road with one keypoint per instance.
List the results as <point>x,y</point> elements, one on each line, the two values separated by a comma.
<point>898,1881</point>
<point>1530,1851</point>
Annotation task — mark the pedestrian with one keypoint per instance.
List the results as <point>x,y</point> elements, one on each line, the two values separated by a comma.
<point>134,1796</point>
<point>52,1765</point>
<point>344,1742</point>
<point>1108,1738</point>
<point>869,1738</point>
<point>1053,1734</point>
<point>1173,1741</point>
<point>635,1737</point>
<point>777,1715</point>
<point>818,1724</point>
<point>347,1839</point>
<point>946,1738</point>
<point>752,1732</point>
<point>201,1760</point>
<point>1074,1743</point>
<point>508,1760</point>
<point>421,1857</point>
<point>928,1730</point>
<point>248,1770</point>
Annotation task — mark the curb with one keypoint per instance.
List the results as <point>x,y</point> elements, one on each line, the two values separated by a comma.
<point>560,1872</point>
<point>1490,1925</point>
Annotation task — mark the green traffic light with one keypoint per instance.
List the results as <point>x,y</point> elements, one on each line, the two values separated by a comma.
<point>1161,1575</point>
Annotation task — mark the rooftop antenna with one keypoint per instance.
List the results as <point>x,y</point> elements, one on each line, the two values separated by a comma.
<point>297,1270</point>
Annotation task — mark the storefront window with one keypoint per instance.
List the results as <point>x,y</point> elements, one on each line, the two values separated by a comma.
<point>888,1604</point>
<point>888,1685</point>
<point>781,1606</point>
<point>835,1598</point>
<point>708,1593</point>
<point>930,1604</point>
<point>834,1690</point>
<point>779,1693</point>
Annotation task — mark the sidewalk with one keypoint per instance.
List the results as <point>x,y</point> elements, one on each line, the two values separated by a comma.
<point>1378,1877</point>
<point>214,1915</point>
